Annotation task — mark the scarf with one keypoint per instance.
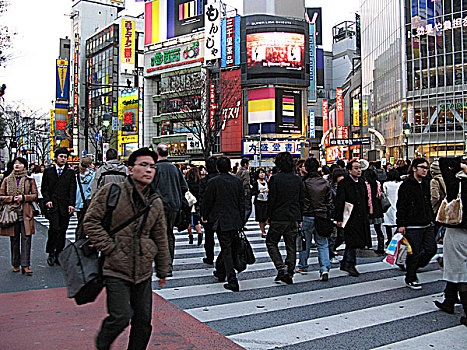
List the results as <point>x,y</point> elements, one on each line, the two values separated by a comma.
<point>13,188</point>
<point>370,196</point>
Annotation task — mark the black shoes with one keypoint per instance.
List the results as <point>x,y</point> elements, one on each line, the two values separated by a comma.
<point>51,260</point>
<point>200,238</point>
<point>190,237</point>
<point>220,278</point>
<point>282,277</point>
<point>324,276</point>
<point>351,270</point>
<point>207,261</point>
<point>24,272</point>
<point>234,287</point>
<point>464,320</point>
<point>444,306</point>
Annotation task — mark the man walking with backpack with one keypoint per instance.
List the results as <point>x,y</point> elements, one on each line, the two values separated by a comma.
<point>140,239</point>
<point>112,171</point>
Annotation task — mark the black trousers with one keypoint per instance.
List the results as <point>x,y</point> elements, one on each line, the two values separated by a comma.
<point>424,248</point>
<point>58,224</point>
<point>20,245</point>
<point>248,207</point>
<point>209,241</point>
<point>288,230</point>
<point>126,301</point>
<point>224,262</point>
<point>170,217</point>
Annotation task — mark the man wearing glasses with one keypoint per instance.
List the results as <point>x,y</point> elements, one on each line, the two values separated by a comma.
<point>415,220</point>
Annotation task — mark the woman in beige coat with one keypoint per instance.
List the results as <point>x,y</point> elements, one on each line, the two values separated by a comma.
<point>19,190</point>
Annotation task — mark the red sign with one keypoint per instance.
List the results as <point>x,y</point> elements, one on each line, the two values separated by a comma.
<point>340,107</point>
<point>231,112</point>
<point>60,124</point>
<point>213,106</point>
<point>325,116</point>
<point>128,118</point>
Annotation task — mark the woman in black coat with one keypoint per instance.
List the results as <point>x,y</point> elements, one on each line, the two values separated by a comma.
<point>375,214</point>
<point>260,192</point>
<point>192,179</point>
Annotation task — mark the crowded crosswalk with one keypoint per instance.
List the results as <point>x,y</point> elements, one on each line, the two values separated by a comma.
<point>375,310</point>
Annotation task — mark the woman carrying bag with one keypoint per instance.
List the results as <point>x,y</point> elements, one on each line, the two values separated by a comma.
<point>17,193</point>
<point>260,192</point>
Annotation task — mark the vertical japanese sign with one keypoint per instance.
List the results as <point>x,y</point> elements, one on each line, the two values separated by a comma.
<point>127,44</point>
<point>52,133</point>
<point>212,106</point>
<point>364,113</point>
<point>63,81</point>
<point>230,43</point>
<point>340,107</point>
<point>325,116</point>
<point>212,31</point>
<point>312,124</point>
<point>76,80</point>
<point>312,88</point>
<point>356,112</point>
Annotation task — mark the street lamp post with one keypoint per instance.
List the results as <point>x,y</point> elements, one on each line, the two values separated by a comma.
<point>406,128</point>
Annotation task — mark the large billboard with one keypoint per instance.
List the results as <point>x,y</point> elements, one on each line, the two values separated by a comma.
<point>62,81</point>
<point>275,50</point>
<point>128,105</point>
<point>288,111</point>
<point>315,17</point>
<point>231,112</point>
<point>127,44</point>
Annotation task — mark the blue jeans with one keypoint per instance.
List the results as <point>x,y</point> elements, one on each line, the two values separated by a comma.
<point>308,227</point>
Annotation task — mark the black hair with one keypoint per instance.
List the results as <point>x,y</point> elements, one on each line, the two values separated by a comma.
<point>61,150</point>
<point>211,165</point>
<point>370,176</point>
<point>22,161</point>
<point>223,164</point>
<point>36,169</point>
<point>140,153</point>
<point>244,162</point>
<point>162,150</point>
<point>393,175</point>
<point>284,162</point>
<point>417,161</point>
<point>260,170</point>
<point>325,170</point>
<point>336,173</point>
<point>350,164</point>
<point>341,163</point>
<point>111,154</point>
<point>311,165</point>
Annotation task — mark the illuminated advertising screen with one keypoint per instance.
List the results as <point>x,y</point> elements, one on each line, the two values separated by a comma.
<point>288,111</point>
<point>275,51</point>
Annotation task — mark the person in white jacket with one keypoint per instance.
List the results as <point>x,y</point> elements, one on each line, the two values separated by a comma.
<point>390,189</point>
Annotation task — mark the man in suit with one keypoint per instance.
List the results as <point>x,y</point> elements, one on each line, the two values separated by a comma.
<point>59,192</point>
<point>224,205</point>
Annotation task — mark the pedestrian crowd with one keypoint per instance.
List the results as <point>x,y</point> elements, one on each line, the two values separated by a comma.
<point>323,206</point>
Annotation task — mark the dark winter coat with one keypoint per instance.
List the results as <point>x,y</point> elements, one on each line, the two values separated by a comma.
<point>61,191</point>
<point>357,231</point>
<point>170,184</point>
<point>285,197</point>
<point>128,256</point>
<point>317,198</point>
<point>223,204</point>
<point>413,203</point>
<point>203,183</point>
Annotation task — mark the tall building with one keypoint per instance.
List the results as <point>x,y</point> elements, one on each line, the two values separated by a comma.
<point>286,8</point>
<point>414,75</point>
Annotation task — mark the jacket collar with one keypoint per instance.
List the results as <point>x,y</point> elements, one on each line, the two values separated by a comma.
<point>147,196</point>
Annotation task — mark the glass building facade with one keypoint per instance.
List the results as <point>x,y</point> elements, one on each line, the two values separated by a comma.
<point>414,74</point>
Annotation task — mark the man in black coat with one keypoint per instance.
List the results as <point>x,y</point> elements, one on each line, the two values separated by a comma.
<point>352,189</point>
<point>224,205</point>
<point>59,192</point>
<point>211,167</point>
<point>285,199</point>
<point>415,220</point>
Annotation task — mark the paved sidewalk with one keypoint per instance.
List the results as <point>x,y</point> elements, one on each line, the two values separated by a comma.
<point>46,319</point>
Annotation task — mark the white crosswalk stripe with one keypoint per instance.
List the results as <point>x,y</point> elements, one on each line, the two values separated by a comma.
<point>375,310</point>
<point>311,314</point>
<point>70,232</point>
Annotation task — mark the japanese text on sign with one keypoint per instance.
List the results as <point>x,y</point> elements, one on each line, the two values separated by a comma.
<point>270,147</point>
<point>212,20</point>
<point>128,42</point>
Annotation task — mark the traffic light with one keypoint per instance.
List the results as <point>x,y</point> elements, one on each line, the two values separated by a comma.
<point>2,90</point>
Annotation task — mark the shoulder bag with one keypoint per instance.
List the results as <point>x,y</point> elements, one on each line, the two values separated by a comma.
<point>385,203</point>
<point>450,213</point>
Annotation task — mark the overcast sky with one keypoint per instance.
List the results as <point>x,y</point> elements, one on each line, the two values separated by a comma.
<point>30,75</point>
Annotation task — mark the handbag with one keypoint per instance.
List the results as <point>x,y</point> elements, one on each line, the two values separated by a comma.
<point>242,252</point>
<point>36,210</point>
<point>300,241</point>
<point>385,203</point>
<point>324,226</point>
<point>8,216</point>
<point>450,213</point>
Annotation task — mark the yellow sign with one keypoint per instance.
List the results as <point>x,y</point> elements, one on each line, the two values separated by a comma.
<point>356,112</point>
<point>365,113</point>
<point>128,42</point>
<point>128,103</point>
<point>129,139</point>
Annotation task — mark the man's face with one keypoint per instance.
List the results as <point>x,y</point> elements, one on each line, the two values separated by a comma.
<point>421,170</point>
<point>356,170</point>
<point>61,159</point>
<point>143,171</point>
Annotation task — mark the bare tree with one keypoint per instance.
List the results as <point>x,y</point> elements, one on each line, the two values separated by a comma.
<point>107,135</point>
<point>41,145</point>
<point>6,37</point>
<point>194,102</point>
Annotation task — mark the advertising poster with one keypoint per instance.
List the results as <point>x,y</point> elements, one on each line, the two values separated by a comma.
<point>63,81</point>
<point>312,88</point>
<point>275,51</point>
<point>312,125</point>
<point>364,112</point>
<point>261,105</point>
<point>288,111</point>
<point>356,112</point>
<point>127,44</point>
<point>128,104</point>
<point>230,43</point>
<point>212,32</point>
<point>231,113</point>
<point>315,16</point>
<point>184,17</point>
<point>325,116</point>
<point>339,107</point>
<point>155,21</point>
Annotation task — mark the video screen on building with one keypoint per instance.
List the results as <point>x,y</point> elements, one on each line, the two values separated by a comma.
<point>275,53</point>
<point>274,50</point>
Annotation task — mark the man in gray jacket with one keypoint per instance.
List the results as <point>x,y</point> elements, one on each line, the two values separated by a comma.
<point>171,185</point>
<point>112,171</point>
